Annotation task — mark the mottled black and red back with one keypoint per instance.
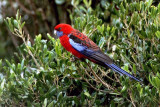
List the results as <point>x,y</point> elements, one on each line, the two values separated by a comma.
<point>84,40</point>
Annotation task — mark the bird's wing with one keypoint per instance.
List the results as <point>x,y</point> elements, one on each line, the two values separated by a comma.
<point>87,47</point>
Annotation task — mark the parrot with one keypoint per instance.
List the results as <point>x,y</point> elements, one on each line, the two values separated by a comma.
<point>84,48</point>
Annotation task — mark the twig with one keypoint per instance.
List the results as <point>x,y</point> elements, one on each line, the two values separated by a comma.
<point>91,84</point>
<point>132,99</point>
<point>106,75</point>
<point>90,76</point>
<point>104,83</point>
<point>92,32</point>
<point>94,87</point>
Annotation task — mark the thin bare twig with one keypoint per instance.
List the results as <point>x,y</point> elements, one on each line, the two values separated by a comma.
<point>106,75</point>
<point>94,87</point>
<point>91,77</point>
<point>92,32</point>
<point>132,100</point>
<point>104,83</point>
<point>93,80</point>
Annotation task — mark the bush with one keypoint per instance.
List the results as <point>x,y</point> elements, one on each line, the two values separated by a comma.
<point>47,75</point>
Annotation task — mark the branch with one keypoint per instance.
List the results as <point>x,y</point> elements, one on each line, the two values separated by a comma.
<point>104,83</point>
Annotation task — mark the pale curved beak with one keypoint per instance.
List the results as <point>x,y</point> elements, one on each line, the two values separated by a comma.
<point>55,32</point>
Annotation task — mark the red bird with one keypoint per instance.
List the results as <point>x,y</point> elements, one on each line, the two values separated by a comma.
<point>84,48</point>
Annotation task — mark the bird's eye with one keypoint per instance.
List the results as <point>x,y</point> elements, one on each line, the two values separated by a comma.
<point>59,28</point>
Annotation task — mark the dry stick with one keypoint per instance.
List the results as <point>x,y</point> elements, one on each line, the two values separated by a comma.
<point>31,54</point>
<point>92,32</point>
<point>132,99</point>
<point>104,83</point>
<point>91,77</point>
<point>94,87</point>
<point>27,33</point>
<point>106,75</point>
<point>91,84</point>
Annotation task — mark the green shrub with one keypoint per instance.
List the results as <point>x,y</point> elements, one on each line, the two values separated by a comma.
<point>47,75</point>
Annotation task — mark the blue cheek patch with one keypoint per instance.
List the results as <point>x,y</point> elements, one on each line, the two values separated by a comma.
<point>59,33</point>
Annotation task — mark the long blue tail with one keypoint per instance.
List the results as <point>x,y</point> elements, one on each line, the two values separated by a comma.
<point>121,71</point>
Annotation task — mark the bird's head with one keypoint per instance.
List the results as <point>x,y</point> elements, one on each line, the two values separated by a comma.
<point>62,29</point>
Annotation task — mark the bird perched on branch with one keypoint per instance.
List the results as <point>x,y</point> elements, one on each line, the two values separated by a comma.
<point>84,48</point>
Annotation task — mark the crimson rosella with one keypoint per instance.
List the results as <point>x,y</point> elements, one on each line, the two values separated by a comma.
<point>84,48</point>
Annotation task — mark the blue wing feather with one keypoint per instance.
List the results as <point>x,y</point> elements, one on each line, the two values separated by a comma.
<point>81,48</point>
<point>77,46</point>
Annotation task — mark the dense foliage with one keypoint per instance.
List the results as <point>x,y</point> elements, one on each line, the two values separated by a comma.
<point>48,75</point>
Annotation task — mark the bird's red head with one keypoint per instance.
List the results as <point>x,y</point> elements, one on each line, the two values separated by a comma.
<point>63,29</point>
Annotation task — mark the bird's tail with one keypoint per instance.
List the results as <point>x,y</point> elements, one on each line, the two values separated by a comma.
<point>121,71</point>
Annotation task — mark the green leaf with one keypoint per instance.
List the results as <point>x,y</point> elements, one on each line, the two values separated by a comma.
<point>8,63</point>
<point>6,22</point>
<point>101,42</point>
<point>50,37</point>
<point>158,34</point>
<point>128,31</point>
<point>17,15</point>
<point>22,24</point>
<point>50,104</point>
<point>108,28</point>
<point>22,64</point>
<point>134,68</point>
<point>59,96</point>
<point>9,23</point>
<point>45,102</point>
<point>154,11</point>
<point>159,8</point>
<point>2,87</point>
<point>87,94</point>
<point>16,24</point>
<point>38,37</point>
<point>102,28</point>
<point>123,89</point>
<point>99,28</point>
<point>148,3</point>
<point>0,62</point>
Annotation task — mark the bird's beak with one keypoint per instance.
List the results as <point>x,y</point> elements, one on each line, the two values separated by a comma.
<point>55,32</point>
